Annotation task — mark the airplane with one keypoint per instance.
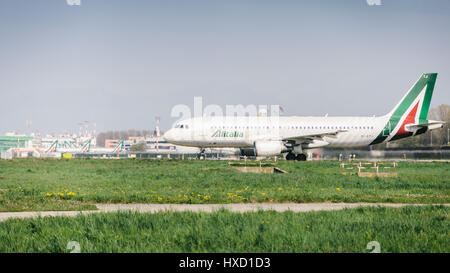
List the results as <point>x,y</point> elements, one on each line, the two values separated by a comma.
<point>291,135</point>
<point>53,148</point>
<point>120,147</point>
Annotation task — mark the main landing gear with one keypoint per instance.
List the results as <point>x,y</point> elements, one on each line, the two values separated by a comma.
<point>201,155</point>
<point>299,157</point>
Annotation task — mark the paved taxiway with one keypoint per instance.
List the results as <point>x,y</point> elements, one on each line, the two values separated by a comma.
<point>152,208</point>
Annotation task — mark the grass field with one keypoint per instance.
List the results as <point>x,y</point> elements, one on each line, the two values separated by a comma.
<point>408,229</point>
<point>49,184</point>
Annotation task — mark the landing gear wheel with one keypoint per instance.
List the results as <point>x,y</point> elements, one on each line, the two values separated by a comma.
<point>300,157</point>
<point>290,156</point>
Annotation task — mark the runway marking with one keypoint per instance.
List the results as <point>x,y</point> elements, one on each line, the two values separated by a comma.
<point>252,207</point>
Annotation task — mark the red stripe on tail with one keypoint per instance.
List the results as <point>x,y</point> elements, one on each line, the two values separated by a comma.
<point>409,119</point>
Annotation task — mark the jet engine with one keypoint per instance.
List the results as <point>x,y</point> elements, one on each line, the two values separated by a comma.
<point>269,148</point>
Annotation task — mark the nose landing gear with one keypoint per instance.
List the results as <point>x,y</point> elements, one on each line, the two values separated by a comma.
<point>202,154</point>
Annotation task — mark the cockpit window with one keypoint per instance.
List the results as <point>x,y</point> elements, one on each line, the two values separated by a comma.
<point>182,126</point>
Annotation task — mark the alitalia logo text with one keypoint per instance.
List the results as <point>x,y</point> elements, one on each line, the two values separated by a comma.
<point>220,133</point>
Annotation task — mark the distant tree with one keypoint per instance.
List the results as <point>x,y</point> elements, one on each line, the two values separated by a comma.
<point>442,113</point>
<point>121,135</point>
<point>140,147</point>
<point>101,139</point>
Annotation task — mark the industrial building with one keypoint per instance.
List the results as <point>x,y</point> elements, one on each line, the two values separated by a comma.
<point>15,141</point>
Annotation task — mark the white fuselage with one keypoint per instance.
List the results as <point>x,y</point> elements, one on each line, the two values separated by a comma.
<point>243,132</point>
<point>274,135</point>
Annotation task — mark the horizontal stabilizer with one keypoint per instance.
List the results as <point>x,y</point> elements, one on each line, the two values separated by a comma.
<point>431,125</point>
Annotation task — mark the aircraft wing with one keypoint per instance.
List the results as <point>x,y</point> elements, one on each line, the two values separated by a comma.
<point>305,139</point>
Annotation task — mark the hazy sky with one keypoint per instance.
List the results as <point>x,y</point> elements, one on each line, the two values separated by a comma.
<point>121,63</point>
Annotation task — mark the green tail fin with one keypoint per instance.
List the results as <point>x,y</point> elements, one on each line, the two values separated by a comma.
<point>422,89</point>
<point>412,108</point>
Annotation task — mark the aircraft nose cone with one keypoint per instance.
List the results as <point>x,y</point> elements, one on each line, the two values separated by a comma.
<point>168,136</point>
